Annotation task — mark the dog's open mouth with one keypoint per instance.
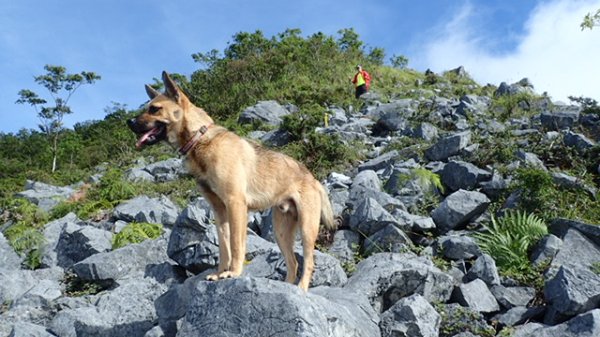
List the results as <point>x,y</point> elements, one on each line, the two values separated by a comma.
<point>153,136</point>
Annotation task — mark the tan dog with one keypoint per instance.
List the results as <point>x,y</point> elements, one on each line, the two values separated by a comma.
<point>235,176</point>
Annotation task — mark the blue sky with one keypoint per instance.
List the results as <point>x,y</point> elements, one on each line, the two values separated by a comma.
<point>130,42</point>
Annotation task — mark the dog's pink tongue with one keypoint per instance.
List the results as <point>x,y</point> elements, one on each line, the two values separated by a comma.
<point>145,137</point>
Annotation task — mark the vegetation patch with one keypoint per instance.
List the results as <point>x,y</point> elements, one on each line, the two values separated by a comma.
<point>77,287</point>
<point>25,234</point>
<point>136,232</point>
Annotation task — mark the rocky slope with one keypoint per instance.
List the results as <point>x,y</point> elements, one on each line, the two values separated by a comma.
<point>417,275</point>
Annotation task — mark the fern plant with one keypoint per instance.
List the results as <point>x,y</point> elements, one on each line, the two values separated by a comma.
<point>508,239</point>
<point>136,232</point>
<point>428,180</point>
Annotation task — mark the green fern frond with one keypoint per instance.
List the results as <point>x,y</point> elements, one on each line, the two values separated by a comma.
<point>427,179</point>
<point>508,239</point>
<point>136,233</point>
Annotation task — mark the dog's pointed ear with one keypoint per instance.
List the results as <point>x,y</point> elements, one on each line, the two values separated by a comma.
<point>172,90</point>
<point>151,92</point>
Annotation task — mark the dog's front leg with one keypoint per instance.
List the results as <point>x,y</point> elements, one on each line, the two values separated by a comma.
<point>223,232</point>
<point>237,214</point>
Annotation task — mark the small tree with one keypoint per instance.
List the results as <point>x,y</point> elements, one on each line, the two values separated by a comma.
<point>61,87</point>
<point>399,61</point>
<point>591,20</point>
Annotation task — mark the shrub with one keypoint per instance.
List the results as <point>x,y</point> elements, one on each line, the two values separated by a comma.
<point>136,232</point>
<point>508,239</point>
<point>25,234</point>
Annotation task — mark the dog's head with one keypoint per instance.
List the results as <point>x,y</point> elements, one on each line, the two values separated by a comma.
<point>163,116</point>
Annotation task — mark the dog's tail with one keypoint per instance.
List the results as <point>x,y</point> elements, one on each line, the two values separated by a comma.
<point>326,211</point>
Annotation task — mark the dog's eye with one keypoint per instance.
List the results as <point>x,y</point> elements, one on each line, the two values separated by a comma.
<point>154,109</point>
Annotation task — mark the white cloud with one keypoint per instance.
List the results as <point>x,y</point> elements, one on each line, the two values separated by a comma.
<point>552,52</point>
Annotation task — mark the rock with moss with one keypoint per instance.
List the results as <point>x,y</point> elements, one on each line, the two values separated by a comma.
<point>458,319</point>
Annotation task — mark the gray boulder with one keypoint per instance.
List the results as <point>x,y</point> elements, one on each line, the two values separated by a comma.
<point>9,259</point>
<point>411,316</point>
<point>559,120</point>
<point>530,159</point>
<point>518,315</point>
<point>276,138</point>
<point>367,178</point>
<point>577,251</point>
<point>572,291</point>
<point>383,161</point>
<point>129,262</point>
<point>510,297</point>
<point>127,311</point>
<point>370,217</point>
<point>345,246</point>
<point>416,223</point>
<point>26,329</point>
<point>136,174</point>
<point>388,239</point>
<point>425,131</point>
<point>79,242</point>
<point>584,325</point>
<point>559,227</point>
<point>458,175</point>
<point>477,296</point>
<point>458,247</point>
<point>578,141</point>
<point>458,209</point>
<point>144,209</point>
<point>546,249</point>
<point>392,121</point>
<point>494,187</point>
<point>448,146</point>
<point>45,196</point>
<point>166,170</point>
<point>52,233</point>
<point>271,265</point>
<point>385,278</point>
<point>570,182</point>
<point>484,269</point>
<point>283,309</point>
<point>268,112</point>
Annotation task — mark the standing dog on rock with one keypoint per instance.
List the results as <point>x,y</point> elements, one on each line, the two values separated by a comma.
<point>236,176</point>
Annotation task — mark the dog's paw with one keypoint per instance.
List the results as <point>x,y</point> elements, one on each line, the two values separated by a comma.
<point>228,274</point>
<point>212,277</point>
<point>222,275</point>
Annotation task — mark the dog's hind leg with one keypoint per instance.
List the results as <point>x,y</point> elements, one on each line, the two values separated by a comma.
<point>285,225</point>
<point>309,214</point>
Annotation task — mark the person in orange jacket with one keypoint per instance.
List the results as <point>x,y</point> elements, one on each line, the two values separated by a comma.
<point>361,80</point>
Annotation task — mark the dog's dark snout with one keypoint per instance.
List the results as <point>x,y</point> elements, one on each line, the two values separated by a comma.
<point>131,123</point>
